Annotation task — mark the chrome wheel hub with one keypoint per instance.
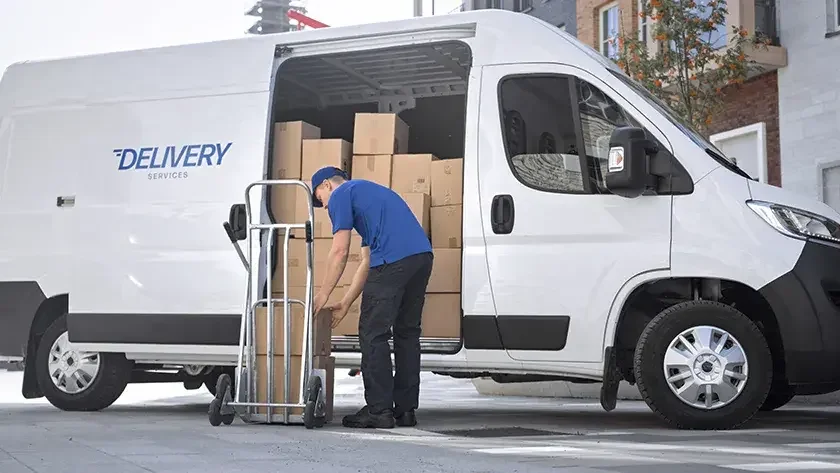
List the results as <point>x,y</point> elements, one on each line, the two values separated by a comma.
<point>71,371</point>
<point>706,367</point>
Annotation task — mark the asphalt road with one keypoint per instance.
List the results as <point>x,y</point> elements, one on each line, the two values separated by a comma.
<point>164,428</point>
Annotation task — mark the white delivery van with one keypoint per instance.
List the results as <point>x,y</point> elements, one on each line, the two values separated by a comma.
<point>603,239</point>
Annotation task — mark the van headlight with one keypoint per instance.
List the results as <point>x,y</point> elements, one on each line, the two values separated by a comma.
<point>796,223</point>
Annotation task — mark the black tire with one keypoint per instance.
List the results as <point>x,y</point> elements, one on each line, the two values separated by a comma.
<point>211,379</point>
<point>314,390</point>
<point>651,348</point>
<point>109,384</point>
<point>778,397</point>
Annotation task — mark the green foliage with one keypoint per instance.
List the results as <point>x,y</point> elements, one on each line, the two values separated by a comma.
<point>703,58</point>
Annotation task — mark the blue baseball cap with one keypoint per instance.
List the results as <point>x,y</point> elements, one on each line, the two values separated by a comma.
<point>322,175</point>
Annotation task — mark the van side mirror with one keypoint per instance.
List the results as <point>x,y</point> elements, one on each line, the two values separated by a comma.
<point>237,224</point>
<point>628,165</point>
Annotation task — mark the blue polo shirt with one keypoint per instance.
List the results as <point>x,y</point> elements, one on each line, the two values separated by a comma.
<point>381,217</point>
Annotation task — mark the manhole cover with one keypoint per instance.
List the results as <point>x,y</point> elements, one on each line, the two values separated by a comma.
<point>498,432</point>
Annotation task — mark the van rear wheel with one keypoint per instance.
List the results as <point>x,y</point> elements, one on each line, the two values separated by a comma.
<point>703,365</point>
<point>78,381</point>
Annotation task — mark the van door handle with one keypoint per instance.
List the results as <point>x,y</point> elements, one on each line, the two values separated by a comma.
<point>502,214</point>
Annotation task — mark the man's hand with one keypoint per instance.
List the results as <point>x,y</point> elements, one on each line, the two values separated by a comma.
<point>339,311</point>
<point>319,302</point>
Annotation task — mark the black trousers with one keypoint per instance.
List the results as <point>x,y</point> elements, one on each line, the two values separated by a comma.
<point>393,297</point>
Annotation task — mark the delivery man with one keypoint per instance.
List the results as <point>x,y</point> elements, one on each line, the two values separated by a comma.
<point>395,267</point>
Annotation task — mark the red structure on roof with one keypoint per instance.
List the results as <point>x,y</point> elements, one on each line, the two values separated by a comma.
<point>304,20</point>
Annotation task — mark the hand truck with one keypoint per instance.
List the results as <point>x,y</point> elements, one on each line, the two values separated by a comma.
<point>312,390</point>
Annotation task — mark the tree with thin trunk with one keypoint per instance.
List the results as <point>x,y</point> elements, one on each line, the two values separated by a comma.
<point>694,57</point>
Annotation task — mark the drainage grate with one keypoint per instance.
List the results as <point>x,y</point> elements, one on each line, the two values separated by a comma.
<point>498,432</point>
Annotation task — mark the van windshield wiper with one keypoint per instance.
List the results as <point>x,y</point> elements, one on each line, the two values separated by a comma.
<point>729,164</point>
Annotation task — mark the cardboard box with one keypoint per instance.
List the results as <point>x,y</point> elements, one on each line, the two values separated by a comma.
<point>355,248</point>
<point>349,326</point>
<point>442,316</point>
<point>321,227</point>
<point>325,152</point>
<point>297,263</point>
<point>379,133</point>
<point>287,153</point>
<point>447,182</point>
<point>420,205</point>
<point>446,271</point>
<point>374,168</point>
<point>322,333</point>
<point>318,363</point>
<point>412,173</point>
<point>446,226</point>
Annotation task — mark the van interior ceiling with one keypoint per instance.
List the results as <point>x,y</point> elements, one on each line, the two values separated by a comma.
<point>425,84</point>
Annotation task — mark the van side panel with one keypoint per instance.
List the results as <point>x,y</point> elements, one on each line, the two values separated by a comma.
<point>147,238</point>
<point>34,249</point>
<point>148,150</point>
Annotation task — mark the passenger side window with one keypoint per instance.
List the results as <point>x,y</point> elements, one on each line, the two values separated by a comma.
<point>548,122</point>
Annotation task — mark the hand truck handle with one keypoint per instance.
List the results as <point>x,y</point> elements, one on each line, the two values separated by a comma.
<point>235,244</point>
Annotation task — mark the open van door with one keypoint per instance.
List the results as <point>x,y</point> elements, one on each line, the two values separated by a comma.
<point>560,246</point>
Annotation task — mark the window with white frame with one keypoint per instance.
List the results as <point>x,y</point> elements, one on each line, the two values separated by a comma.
<point>608,30</point>
<point>643,23</point>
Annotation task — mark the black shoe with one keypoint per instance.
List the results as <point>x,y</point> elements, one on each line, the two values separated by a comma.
<point>406,419</point>
<point>364,419</point>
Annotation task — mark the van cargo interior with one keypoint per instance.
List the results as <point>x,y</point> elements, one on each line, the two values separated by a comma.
<point>425,85</point>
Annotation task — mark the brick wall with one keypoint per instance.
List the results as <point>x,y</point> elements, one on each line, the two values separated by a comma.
<point>754,101</point>
<point>587,18</point>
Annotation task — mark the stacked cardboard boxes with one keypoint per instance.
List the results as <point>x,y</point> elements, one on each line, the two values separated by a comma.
<point>432,188</point>
<point>322,359</point>
<point>442,312</point>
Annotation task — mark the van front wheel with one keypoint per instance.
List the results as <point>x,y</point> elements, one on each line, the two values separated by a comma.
<point>72,380</point>
<point>703,365</point>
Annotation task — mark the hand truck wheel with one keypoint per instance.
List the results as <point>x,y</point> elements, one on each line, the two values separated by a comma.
<point>219,411</point>
<point>310,420</point>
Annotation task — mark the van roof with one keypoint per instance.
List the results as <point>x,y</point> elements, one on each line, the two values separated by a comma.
<point>238,65</point>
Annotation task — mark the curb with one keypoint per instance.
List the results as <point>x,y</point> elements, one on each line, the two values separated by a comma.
<point>626,392</point>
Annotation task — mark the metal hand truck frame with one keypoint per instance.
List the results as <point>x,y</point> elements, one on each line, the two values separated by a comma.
<point>312,391</point>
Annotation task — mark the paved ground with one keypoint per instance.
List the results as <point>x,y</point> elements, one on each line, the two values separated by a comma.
<point>164,429</point>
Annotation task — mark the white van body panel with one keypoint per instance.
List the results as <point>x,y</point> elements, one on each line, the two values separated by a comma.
<point>134,244</point>
<point>716,235</point>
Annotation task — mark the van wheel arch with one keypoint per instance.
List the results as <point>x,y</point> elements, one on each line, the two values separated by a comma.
<point>50,309</point>
<point>652,297</point>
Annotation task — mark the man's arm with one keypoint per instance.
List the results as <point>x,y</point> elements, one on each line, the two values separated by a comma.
<point>336,261</point>
<point>359,278</point>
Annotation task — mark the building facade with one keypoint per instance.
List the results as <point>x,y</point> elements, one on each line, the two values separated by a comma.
<point>809,98</point>
<point>748,128</point>
<point>560,13</point>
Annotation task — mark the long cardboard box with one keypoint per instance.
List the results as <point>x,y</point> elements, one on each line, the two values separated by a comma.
<point>447,182</point>
<point>318,363</point>
<point>412,173</point>
<point>322,330</point>
<point>442,316</point>
<point>325,152</point>
<point>379,133</point>
<point>447,226</point>
<point>374,168</point>
<point>287,152</point>
<point>446,271</point>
